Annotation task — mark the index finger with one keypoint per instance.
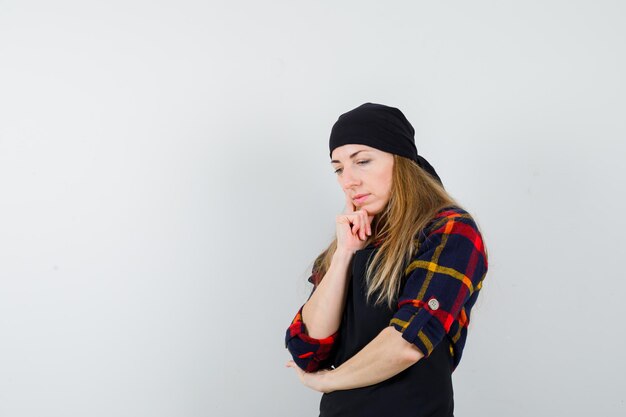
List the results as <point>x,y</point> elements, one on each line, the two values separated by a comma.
<point>350,208</point>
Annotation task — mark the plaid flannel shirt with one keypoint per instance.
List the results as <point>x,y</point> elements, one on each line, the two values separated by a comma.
<point>443,281</point>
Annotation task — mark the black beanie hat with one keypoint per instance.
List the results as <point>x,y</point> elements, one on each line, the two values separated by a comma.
<point>381,127</point>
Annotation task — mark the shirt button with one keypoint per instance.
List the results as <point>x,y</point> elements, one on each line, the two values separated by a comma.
<point>433,304</point>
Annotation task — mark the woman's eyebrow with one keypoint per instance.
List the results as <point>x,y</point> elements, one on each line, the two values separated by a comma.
<point>334,161</point>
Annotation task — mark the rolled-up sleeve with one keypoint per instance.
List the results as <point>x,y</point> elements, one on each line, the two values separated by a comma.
<point>447,270</point>
<point>307,352</point>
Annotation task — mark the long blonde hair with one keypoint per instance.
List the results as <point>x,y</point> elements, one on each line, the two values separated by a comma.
<point>414,200</point>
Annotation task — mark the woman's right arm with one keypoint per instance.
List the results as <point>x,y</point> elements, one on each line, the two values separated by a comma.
<point>313,330</point>
<point>311,343</point>
<point>322,313</point>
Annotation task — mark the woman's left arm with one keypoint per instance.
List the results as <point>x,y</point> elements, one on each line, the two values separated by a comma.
<point>386,355</point>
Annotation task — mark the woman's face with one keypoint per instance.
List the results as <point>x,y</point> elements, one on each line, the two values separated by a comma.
<point>364,173</point>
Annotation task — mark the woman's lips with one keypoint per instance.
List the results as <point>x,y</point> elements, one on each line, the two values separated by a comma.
<point>361,199</point>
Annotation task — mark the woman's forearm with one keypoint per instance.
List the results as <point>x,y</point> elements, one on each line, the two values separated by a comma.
<point>386,355</point>
<point>322,313</point>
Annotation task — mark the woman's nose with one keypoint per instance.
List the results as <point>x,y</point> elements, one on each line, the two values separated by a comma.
<point>348,179</point>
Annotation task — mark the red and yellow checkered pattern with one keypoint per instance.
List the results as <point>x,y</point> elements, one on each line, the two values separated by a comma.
<point>441,285</point>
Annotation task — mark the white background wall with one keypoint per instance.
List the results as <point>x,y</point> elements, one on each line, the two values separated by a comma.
<point>165,186</point>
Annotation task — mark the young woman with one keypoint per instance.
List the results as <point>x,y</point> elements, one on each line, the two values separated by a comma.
<point>387,318</point>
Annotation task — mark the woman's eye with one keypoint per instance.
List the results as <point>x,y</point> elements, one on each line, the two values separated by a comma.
<point>363,162</point>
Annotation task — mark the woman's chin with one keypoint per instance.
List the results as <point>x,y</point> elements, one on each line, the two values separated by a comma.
<point>372,211</point>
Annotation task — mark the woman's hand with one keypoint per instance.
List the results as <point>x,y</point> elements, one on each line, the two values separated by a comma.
<point>314,380</point>
<point>353,228</point>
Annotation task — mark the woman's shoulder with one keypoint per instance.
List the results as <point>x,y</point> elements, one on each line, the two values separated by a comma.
<point>447,214</point>
<point>450,212</point>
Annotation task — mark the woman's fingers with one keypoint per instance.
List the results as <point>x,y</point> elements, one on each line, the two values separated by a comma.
<point>355,225</point>
<point>361,226</point>
<point>364,227</point>
<point>360,223</point>
<point>367,221</point>
<point>352,223</point>
<point>366,224</point>
<point>349,205</point>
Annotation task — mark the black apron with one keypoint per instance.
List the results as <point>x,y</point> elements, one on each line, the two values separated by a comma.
<point>423,389</point>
